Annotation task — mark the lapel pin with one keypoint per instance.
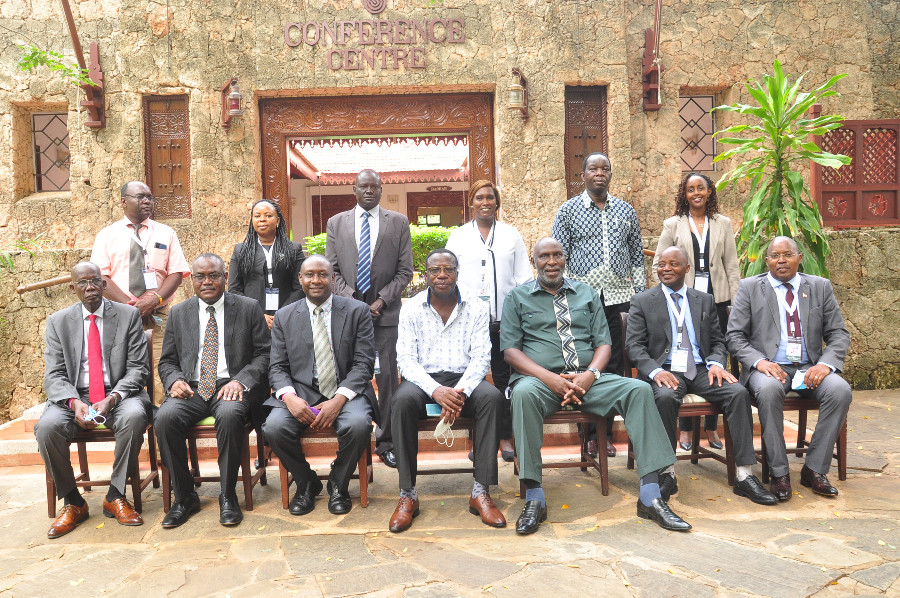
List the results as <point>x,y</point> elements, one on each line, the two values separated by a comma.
<point>805,295</point>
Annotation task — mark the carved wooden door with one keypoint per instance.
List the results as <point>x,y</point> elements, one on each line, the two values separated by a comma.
<point>167,154</point>
<point>326,206</point>
<point>585,131</point>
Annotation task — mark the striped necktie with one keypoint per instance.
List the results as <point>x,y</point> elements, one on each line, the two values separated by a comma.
<point>364,262</point>
<point>324,356</point>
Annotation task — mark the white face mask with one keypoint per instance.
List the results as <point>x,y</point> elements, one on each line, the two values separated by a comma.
<point>443,433</point>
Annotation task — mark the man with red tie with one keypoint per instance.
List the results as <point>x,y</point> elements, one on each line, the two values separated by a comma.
<point>95,371</point>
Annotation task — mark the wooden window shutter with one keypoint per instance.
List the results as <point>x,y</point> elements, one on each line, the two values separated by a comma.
<point>167,154</point>
<point>585,131</point>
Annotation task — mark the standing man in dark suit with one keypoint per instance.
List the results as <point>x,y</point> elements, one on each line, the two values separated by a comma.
<point>215,357</point>
<point>322,360</point>
<point>777,328</point>
<point>96,358</point>
<point>675,341</point>
<point>371,252</point>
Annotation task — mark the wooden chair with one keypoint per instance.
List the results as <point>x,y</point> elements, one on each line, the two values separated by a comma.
<point>693,406</point>
<point>104,434</point>
<point>364,465</point>
<point>206,429</point>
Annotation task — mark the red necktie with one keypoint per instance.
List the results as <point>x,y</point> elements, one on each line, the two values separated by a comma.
<point>792,318</point>
<point>96,388</point>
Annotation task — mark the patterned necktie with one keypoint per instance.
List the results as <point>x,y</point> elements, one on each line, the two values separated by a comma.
<point>793,318</point>
<point>685,344</point>
<point>209,361</point>
<point>364,262</point>
<point>136,266</point>
<point>324,356</point>
<point>564,328</point>
<point>96,388</point>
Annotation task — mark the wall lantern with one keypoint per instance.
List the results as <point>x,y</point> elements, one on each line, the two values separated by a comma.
<point>518,93</point>
<point>231,101</point>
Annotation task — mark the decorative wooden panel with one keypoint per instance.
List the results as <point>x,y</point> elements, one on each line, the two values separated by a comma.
<point>436,199</point>
<point>698,146</point>
<point>282,119</point>
<point>585,131</point>
<point>167,154</point>
<point>328,207</point>
<point>866,191</point>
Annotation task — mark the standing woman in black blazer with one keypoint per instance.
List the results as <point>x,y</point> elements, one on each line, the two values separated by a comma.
<point>266,265</point>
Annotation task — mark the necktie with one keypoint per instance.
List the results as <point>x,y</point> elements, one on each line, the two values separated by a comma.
<point>564,328</point>
<point>793,318</point>
<point>364,262</point>
<point>324,356</point>
<point>209,361</point>
<point>685,344</point>
<point>96,388</point>
<point>136,266</point>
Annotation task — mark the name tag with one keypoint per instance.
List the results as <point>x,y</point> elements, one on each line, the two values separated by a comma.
<point>679,360</point>
<point>797,383</point>
<point>794,351</point>
<point>485,298</point>
<point>701,282</point>
<point>271,299</point>
<point>150,280</point>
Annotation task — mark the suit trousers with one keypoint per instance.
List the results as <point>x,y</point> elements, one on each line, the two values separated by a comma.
<point>834,397</point>
<point>733,399</point>
<point>711,422</point>
<point>615,363</point>
<point>532,401</point>
<point>500,373</point>
<point>485,405</point>
<point>354,430</point>
<point>387,381</point>
<point>56,429</point>
<point>176,416</point>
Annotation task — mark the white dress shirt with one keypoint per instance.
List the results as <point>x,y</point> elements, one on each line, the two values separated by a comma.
<point>83,375</point>
<point>373,227</point>
<point>221,364</point>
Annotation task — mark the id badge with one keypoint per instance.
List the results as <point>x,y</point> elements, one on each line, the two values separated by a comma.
<point>701,282</point>
<point>150,280</point>
<point>797,382</point>
<point>794,351</point>
<point>271,299</point>
<point>485,298</point>
<point>679,360</point>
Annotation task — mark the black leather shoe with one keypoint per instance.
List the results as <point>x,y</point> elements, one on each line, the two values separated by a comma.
<point>818,482</point>
<point>532,516</point>
<point>304,500</point>
<point>660,512</point>
<point>389,459</point>
<point>181,511</point>
<point>229,510</point>
<point>338,500</point>
<point>668,485</point>
<point>686,446</point>
<point>753,489</point>
<point>781,487</point>
<point>716,445</point>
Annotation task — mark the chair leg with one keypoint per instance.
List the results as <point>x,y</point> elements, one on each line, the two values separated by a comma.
<point>630,463</point>
<point>166,488</point>
<point>135,478</point>
<point>764,461</point>
<point>261,457</point>
<point>83,463</point>
<point>151,448</point>
<point>801,431</point>
<point>51,495</point>
<point>195,460</point>
<point>246,476</point>
<point>585,438</point>
<point>604,461</point>
<point>729,453</point>
<point>363,479</point>
<point>369,471</point>
<point>695,449</point>
<point>842,452</point>
<point>285,485</point>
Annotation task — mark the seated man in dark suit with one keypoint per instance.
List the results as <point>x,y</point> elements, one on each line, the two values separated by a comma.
<point>323,357</point>
<point>675,341</point>
<point>96,357</point>
<point>787,331</point>
<point>214,361</point>
<point>444,352</point>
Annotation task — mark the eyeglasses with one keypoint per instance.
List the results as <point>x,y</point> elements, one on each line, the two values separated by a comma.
<point>451,270</point>
<point>141,196</point>
<point>594,169</point>
<point>212,276</point>
<point>89,282</point>
<point>777,256</point>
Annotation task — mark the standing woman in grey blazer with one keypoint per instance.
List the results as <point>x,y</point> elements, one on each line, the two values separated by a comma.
<point>707,237</point>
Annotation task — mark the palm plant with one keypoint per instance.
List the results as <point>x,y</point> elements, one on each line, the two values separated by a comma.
<point>780,202</point>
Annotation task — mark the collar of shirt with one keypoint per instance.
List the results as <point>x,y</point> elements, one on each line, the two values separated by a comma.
<point>794,282</point>
<point>128,224</point>
<point>587,201</point>
<point>85,313</point>
<point>682,291</point>
<point>217,305</point>
<point>536,286</point>
<point>459,297</point>
<point>374,212</point>
<point>326,307</point>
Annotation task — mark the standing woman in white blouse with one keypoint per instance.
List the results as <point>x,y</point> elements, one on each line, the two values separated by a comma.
<point>492,261</point>
<point>708,239</point>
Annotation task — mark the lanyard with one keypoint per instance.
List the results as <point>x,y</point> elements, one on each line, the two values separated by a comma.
<point>700,238</point>
<point>489,244</point>
<point>679,315</point>
<point>137,239</point>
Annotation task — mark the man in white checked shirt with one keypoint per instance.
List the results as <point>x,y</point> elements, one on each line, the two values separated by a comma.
<point>443,353</point>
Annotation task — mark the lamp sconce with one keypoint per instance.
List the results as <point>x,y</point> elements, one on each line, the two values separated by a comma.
<point>518,93</point>
<point>231,101</point>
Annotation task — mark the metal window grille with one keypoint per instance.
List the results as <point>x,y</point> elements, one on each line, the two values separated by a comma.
<point>51,151</point>
<point>698,125</point>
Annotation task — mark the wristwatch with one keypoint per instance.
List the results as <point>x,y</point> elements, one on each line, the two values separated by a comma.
<point>596,373</point>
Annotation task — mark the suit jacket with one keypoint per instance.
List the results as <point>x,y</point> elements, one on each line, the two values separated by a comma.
<point>284,276</point>
<point>649,338</point>
<point>754,328</point>
<point>391,269</point>
<point>124,346</point>
<point>724,273</point>
<point>353,343</point>
<point>246,343</point>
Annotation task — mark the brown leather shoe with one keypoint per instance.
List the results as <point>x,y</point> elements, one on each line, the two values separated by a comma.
<point>490,515</point>
<point>781,487</point>
<point>403,515</point>
<point>818,482</point>
<point>68,519</point>
<point>123,512</point>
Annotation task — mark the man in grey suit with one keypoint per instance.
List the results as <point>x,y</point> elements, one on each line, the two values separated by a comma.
<point>95,359</point>
<point>675,341</point>
<point>371,253</point>
<point>213,363</point>
<point>778,324</point>
<point>321,370</point>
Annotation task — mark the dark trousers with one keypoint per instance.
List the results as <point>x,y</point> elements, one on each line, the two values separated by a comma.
<point>387,381</point>
<point>485,406</point>
<point>176,416</point>
<point>733,399</point>
<point>616,361</point>
<point>711,422</point>
<point>500,373</point>
<point>354,430</point>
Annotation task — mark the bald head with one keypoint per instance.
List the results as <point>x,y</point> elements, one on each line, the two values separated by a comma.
<point>316,278</point>
<point>671,267</point>
<point>316,260</point>
<point>782,239</point>
<point>544,244</point>
<point>367,189</point>
<point>549,259</point>
<point>85,268</point>
<point>88,285</point>
<point>675,251</point>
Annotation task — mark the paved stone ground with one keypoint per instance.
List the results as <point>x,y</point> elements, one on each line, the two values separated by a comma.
<point>810,546</point>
